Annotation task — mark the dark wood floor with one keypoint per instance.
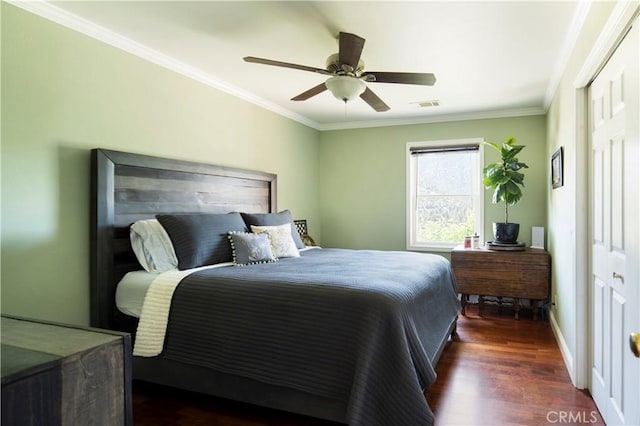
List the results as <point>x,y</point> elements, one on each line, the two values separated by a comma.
<point>497,370</point>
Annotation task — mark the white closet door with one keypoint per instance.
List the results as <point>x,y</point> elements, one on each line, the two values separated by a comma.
<point>615,212</point>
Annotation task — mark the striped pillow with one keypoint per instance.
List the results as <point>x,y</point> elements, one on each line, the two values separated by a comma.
<point>201,239</point>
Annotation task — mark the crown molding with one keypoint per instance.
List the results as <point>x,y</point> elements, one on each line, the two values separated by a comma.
<point>442,118</point>
<point>615,29</point>
<point>568,45</point>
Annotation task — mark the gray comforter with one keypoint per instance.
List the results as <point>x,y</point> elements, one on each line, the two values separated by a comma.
<point>358,326</point>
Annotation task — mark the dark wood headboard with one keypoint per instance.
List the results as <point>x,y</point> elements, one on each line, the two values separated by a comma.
<point>127,187</point>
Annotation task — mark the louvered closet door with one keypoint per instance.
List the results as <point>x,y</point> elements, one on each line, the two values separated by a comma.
<point>614,118</point>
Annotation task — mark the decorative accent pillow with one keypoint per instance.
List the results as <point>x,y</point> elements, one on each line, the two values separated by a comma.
<point>282,245</point>
<point>201,239</point>
<point>249,249</point>
<point>272,219</point>
<point>152,246</point>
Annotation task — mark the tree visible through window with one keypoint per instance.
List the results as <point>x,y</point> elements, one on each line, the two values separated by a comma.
<point>444,193</point>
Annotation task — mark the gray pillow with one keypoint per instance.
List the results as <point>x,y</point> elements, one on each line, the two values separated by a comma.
<point>249,248</point>
<point>201,239</point>
<point>273,219</point>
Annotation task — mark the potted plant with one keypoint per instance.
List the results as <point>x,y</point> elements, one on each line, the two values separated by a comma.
<point>506,180</point>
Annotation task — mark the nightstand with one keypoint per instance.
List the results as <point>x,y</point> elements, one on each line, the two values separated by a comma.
<point>512,274</point>
<point>58,374</point>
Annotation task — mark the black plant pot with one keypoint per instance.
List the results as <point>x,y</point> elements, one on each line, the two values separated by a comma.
<point>506,232</point>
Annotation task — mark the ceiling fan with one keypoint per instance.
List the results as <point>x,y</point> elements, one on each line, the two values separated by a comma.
<point>348,76</point>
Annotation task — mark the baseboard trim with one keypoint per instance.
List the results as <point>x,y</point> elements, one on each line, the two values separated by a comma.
<point>564,348</point>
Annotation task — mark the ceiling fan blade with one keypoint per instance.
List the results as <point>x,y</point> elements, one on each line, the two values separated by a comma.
<point>425,79</point>
<point>350,49</point>
<point>374,101</point>
<point>311,92</point>
<point>285,65</point>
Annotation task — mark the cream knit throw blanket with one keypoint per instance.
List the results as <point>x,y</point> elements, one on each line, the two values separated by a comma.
<point>154,316</point>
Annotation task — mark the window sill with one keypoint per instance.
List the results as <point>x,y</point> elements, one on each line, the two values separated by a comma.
<point>432,248</point>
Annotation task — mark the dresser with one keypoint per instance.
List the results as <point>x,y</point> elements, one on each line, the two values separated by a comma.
<point>502,274</point>
<point>54,374</point>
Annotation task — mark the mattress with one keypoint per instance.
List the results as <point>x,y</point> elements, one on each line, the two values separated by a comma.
<point>131,290</point>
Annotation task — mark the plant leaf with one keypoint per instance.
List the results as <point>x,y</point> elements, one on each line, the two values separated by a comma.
<point>515,150</point>
<point>497,195</point>
<point>493,145</point>
<point>512,199</point>
<point>512,188</point>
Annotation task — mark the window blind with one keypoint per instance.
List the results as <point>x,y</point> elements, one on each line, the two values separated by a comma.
<point>417,150</point>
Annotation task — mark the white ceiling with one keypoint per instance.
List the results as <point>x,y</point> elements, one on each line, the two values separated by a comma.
<point>501,58</point>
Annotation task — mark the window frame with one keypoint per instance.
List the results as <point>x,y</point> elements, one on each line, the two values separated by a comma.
<point>411,190</point>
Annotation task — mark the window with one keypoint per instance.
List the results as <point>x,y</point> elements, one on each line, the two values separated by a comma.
<point>444,193</point>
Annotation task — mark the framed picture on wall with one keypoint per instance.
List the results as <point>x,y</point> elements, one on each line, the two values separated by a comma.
<point>556,169</point>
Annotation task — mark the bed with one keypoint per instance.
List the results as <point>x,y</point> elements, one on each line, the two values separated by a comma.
<point>350,336</point>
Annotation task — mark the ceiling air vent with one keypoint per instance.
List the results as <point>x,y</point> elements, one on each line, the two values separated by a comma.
<point>431,103</point>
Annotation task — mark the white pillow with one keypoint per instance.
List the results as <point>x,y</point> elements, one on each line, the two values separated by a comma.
<point>152,246</point>
<point>282,244</point>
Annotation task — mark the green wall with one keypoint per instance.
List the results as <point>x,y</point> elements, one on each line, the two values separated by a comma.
<point>567,204</point>
<point>363,179</point>
<point>64,94</point>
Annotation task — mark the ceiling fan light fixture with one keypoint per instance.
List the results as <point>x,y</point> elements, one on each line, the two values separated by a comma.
<point>345,88</point>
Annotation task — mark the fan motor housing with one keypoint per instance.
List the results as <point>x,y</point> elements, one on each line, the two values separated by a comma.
<point>334,66</point>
